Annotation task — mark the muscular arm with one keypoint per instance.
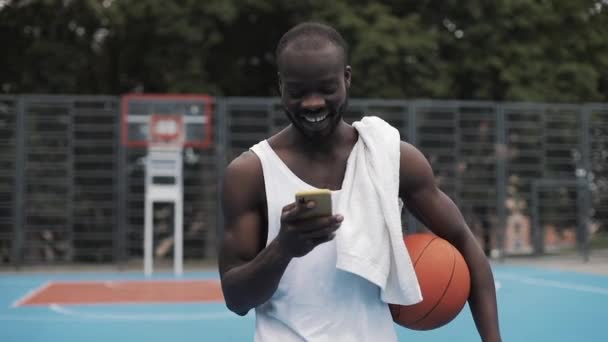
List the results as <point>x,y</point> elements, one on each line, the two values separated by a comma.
<point>437,211</point>
<point>250,271</point>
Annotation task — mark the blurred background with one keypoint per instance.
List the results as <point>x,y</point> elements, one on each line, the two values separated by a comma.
<point>507,99</point>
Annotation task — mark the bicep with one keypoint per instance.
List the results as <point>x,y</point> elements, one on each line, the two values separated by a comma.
<point>242,235</point>
<point>425,200</point>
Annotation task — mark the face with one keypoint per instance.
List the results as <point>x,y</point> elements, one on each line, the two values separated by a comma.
<point>314,89</point>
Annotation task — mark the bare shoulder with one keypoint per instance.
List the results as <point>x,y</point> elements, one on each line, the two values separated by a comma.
<point>247,162</point>
<point>243,181</point>
<point>414,169</point>
<point>243,203</point>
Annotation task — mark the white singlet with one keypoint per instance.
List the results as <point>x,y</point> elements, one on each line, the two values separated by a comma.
<point>315,301</point>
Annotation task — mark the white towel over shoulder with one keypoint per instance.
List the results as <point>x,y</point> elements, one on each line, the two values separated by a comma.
<point>370,240</point>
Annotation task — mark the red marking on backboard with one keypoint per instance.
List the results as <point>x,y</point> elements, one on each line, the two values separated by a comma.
<point>158,136</point>
<point>208,101</point>
<point>125,292</point>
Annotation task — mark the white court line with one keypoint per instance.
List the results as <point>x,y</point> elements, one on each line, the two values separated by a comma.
<point>31,294</point>
<point>29,318</point>
<point>112,316</point>
<point>18,283</point>
<point>554,283</point>
<point>71,317</point>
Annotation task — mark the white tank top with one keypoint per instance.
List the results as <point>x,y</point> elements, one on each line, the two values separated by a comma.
<point>315,301</point>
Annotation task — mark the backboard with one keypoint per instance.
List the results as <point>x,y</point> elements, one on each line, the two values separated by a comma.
<point>177,120</point>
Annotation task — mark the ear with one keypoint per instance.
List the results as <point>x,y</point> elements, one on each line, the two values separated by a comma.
<point>280,83</point>
<point>348,73</point>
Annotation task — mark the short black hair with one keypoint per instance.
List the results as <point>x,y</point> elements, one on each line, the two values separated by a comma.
<point>312,35</point>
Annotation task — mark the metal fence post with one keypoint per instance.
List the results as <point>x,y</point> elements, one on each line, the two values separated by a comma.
<point>71,191</point>
<point>120,192</point>
<point>584,178</point>
<point>221,150</point>
<point>536,228</point>
<point>501,179</point>
<point>457,196</point>
<point>19,186</point>
<point>412,222</point>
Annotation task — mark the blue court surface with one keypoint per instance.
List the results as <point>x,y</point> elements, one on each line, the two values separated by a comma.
<point>534,305</point>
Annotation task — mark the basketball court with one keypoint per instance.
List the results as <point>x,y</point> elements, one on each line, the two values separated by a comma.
<point>534,305</point>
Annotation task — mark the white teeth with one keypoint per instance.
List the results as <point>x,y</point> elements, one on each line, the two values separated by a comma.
<point>315,119</point>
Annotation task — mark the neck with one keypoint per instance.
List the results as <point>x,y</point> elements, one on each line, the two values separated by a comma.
<point>321,146</point>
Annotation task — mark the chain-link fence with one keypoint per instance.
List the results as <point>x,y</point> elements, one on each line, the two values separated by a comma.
<point>530,178</point>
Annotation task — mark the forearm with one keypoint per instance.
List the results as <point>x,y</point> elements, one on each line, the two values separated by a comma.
<point>251,284</point>
<point>482,299</point>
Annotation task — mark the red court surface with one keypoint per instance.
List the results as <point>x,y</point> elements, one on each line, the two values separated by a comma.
<point>128,292</point>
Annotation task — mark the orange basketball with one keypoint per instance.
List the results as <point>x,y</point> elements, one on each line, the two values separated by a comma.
<point>444,280</point>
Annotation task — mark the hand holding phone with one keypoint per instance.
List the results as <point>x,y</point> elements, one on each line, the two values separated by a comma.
<point>308,222</point>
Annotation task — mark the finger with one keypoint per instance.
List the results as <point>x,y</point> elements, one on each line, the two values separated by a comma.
<point>315,223</point>
<point>307,225</point>
<point>319,233</point>
<point>288,211</point>
<point>296,209</point>
<point>322,240</point>
<point>289,207</point>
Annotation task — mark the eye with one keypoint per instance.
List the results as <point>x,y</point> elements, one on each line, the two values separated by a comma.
<point>329,90</point>
<point>295,93</point>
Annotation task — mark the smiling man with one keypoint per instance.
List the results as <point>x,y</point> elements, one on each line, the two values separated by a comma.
<point>283,265</point>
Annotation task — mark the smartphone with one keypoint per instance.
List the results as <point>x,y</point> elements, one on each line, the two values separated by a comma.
<point>322,198</point>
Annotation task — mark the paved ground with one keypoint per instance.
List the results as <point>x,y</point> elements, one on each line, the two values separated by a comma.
<point>597,264</point>
<point>535,305</point>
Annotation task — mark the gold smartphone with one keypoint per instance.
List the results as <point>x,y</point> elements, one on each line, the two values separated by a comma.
<point>322,198</point>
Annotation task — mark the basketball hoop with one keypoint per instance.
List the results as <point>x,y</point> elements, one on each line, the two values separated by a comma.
<point>167,120</point>
<point>166,130</point>
<point>165,124</point>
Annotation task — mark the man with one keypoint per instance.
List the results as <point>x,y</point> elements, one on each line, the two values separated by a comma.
<point>284,266</point>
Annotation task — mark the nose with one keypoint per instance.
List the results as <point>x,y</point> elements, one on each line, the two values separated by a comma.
<point>313,102</point>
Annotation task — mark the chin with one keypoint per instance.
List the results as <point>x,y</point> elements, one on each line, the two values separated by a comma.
<point>334,121</point>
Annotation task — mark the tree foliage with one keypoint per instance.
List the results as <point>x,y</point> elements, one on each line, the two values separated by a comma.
<point>523,50</point>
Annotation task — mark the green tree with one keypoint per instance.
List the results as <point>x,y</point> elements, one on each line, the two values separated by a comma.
<point>523,50</point>
<point>165,46</point>
<point>394,54</point>
<point>47,46</point>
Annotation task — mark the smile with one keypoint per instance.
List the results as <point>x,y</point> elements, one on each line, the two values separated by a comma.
<point>315,119</point>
